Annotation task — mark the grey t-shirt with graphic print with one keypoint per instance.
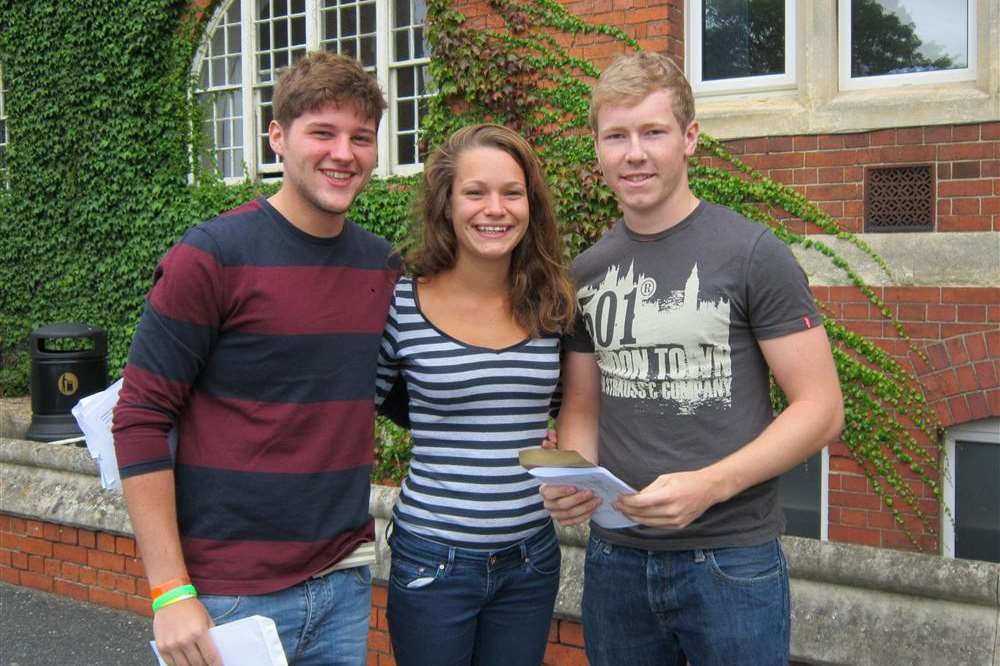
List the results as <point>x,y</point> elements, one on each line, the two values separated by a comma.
<point>674,319</point>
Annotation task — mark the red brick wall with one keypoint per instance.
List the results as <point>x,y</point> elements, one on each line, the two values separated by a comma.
<point>829,169</point>
<point>104,569</point>
<point>657,25</point>
<point>957,329</point>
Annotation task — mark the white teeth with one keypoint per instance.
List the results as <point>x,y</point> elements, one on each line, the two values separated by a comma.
<point>337,175</point>
<point>491,230</point>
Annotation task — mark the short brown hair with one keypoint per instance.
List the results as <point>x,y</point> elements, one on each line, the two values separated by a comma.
<point>541,296</point>
<point>631,77</point>
<point>321,77</point>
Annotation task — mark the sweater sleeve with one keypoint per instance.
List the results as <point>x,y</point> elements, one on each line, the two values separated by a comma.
<point>175,335</point>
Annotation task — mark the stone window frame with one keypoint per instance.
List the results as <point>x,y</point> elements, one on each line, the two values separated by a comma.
<point>253,87</point>
<point>817,104</point>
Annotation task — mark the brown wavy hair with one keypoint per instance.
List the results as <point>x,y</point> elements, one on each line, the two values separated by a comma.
<point>320,78</point>
<point>541,296</point>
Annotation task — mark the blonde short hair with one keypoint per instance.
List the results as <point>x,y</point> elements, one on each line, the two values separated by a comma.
<point>631,77</point>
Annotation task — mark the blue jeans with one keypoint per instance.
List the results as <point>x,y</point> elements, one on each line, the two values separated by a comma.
<point>720,607</point>
<point>321,621</point>
<point>454,607</point>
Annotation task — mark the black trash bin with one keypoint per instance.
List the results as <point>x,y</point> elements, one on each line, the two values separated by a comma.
<point>60,378</point>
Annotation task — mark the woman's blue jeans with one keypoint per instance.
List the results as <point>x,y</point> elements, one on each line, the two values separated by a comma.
<point>718,607</point>
<point>455,607</point>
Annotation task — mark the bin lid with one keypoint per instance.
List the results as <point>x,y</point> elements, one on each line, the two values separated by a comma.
<point>68,329</point>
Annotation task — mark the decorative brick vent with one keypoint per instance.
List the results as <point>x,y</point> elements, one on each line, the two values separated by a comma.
<point>899,198</point>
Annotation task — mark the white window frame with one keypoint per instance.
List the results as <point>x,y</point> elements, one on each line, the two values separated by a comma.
<point>787,80</point>
<point>984,431</point>
<point>848,82</point>
<point>385,73</point>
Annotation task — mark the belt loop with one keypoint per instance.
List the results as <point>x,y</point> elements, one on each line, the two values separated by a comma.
<point>699,556</point>
<point>524,551</point>
<point>389,529</point>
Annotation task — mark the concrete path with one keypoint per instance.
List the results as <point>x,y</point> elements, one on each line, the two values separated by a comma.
<point>42,629</point>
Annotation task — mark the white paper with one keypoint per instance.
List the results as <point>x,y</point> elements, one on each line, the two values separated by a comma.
<point>94,413</point>
<point>597,479</point>
<point>252,641</point>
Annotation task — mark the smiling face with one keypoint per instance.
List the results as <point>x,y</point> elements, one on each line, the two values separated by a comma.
<point>488,207</point>
<point>643,151</point>
<point>328,156</point>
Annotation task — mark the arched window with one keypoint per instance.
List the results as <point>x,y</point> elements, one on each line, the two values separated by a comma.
<point>248,42</point>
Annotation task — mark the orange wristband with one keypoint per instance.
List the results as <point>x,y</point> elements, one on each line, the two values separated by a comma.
<point>167,586</point>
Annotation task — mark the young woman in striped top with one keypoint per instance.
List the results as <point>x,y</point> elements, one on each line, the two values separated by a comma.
<point>475,336</point>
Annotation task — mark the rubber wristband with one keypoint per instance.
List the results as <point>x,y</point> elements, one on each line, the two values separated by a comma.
<point>174,595</point>
<point>176,599</point>
<point>169,585</point>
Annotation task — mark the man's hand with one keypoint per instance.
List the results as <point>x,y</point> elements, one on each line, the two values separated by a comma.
<point>672,500</point>
<point>181,632</point>
<point>568,505</point>
<point>551,440</point>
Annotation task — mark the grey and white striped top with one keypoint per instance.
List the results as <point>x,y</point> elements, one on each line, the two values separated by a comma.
<point>472,409</point>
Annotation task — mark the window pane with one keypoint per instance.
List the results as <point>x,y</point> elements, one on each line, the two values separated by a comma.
<point>799,493</point>
<point>368,18</point>
<point>407,149</point>
<point>299,30</point>
<point>348,22</point>
<point>329,25</point>
<point>401,44</point>
<point>742,38</point>
<point>906,36</point>
<point>405,119</point>
<point>402,13</point>
<point>404,82</point>
<point>369,54</point>
<point>977,501</point>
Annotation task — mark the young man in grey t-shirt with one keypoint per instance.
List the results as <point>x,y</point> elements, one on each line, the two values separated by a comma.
<point>684,308</point>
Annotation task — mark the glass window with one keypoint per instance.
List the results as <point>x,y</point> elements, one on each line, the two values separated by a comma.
<point>739,45</point>
<point>247,43</point>
<point>893,42</point>
<point>801,493</point>
<point>972,491</point>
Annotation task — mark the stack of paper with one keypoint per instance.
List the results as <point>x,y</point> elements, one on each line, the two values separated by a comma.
<point>93,414</point>
<point>252,641</point>
<point>569,468</point>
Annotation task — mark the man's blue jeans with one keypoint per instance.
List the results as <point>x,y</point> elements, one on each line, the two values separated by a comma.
<point>720,607</point>
<point>321,621</point>
<point>455,607</point>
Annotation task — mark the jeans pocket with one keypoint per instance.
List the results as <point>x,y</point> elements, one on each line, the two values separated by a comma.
<point>597,549</point>
<point>545,558</point>
<point>363,575</point>
<point>410,574</point>
<point>220,606</point>
<point>747,565</point>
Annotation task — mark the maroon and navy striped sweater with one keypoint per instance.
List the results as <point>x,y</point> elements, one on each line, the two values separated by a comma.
<point>260,342</point>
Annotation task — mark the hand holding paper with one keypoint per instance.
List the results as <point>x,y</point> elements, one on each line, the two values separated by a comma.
<point>252,641</point>
<point>569,468</point>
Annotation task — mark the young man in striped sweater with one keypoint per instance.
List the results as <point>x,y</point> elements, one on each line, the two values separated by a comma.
<point>259,342</point>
